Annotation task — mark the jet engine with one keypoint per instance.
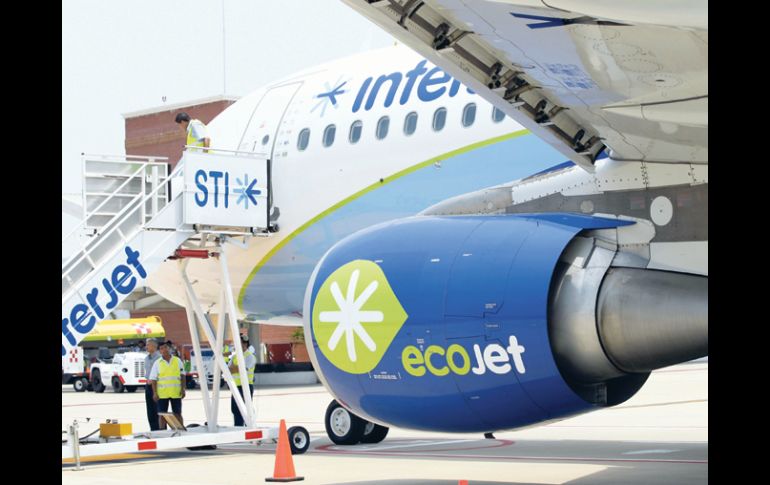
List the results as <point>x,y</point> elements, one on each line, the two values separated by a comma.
<point>482,323</point>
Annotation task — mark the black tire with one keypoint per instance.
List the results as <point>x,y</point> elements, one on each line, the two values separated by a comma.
<point>80,384</point>
<point>376,433</point>
<point>299,440</point>
<point>131,388</point>
<point>117,386</point>
<point>96,381</point>
<point>190,384</point>
<point>342,426</point>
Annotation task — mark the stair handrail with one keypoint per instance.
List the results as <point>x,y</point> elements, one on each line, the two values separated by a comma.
<point>117,221</point>
<point>142,166</point>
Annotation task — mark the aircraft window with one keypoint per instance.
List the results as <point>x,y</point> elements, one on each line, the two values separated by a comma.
<point>469,114</point>
<point>410,123</point>
<point>303,139</point>
<point>355,131</point>
<point>439,119</point>
<point>382,127</point>
<point>329,133</point>
<point>265,139</point>
<point>497,115</point>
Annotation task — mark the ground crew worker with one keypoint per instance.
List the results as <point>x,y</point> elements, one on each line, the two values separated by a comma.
<point>168,384</point>
<point>152,407</point>
<point>172,348</point>
<point>250,361</point>
<point>197,133</point>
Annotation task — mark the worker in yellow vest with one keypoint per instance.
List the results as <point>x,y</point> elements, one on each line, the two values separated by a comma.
<point>250,361</point>
<point>167,379</point>
<point>197,133</point>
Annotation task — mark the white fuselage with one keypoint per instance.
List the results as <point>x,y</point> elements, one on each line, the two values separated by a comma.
<point>308,182</point>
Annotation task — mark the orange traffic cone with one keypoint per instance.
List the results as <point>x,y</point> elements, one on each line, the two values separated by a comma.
<point>462,482</point>
<point>284,465</point>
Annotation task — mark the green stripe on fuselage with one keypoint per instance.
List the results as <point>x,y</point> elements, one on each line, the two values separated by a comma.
<point>364,191</point>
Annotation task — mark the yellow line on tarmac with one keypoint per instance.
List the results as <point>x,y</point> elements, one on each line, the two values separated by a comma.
<point>119,456</point>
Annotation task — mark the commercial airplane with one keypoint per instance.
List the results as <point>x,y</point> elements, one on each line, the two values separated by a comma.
<point>521,247</point>
<point>358,141</point>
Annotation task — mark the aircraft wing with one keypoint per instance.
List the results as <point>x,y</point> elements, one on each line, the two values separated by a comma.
<point>583,75</point>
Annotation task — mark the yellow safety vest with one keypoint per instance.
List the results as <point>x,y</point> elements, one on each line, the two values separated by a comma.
<point>249,371</point>
<point>169,378</point>
<point>191,141</point>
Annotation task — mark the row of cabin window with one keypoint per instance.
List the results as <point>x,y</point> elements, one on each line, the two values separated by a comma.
<point>383,124</point>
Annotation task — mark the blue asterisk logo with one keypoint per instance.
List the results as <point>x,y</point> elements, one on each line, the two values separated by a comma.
<point>247,191</point>
<point>330,96</point>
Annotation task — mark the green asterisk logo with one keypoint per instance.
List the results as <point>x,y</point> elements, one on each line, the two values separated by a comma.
<point>368,320</point>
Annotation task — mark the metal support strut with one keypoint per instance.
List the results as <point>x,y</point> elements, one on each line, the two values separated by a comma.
<point>74,440</point>
<point>216,338</point>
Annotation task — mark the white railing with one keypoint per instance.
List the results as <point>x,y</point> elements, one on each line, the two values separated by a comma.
<point>146,168</point>
<point>125,225</point>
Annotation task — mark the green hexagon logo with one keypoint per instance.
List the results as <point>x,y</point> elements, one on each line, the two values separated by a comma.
<point>354,330</point>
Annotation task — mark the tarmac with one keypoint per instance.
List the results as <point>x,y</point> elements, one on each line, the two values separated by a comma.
<point>660,436</point>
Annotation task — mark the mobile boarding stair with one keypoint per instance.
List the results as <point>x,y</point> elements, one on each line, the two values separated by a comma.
<point>136,217</point>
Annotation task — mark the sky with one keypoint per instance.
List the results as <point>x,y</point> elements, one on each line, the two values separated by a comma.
<point>119,57</point>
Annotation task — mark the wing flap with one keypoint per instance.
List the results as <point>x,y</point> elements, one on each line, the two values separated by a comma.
<point>579,82</point>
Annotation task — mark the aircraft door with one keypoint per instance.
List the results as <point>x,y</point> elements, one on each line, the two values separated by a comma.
<point>266,120</point>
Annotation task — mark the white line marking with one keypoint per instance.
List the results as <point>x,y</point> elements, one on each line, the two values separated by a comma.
<point>647,452</point>
<point>418,443</point>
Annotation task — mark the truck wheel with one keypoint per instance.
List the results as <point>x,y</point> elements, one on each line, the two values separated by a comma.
<point>117,386</point>
<point>299,440</point>
<point>374,433</point>
<point>131,388</point>
<point>342,426</point>
<point>80,384</point>
<point>96,381</point>
<point>190,384</point>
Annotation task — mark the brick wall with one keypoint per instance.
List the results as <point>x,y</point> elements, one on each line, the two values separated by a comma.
<point>274,334</point>
<point>157,134</point>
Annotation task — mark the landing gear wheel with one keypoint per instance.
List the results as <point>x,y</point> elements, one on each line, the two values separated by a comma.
<point>96,381</point>
<point>117,386</point>
<point>374,433</point>
<point>80,384</point>
<point>342,426</point>
<point>299,440</point>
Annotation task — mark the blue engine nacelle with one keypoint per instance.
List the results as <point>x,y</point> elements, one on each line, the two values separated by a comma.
<point>441,323</point>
